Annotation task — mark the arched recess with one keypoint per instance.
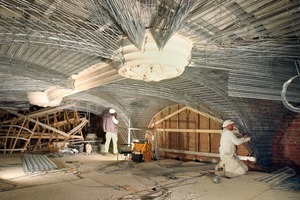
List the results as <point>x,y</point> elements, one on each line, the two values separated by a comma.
<point>182,132</point>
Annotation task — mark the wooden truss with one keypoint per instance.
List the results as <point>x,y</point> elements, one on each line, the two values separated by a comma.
<point>40,129</point>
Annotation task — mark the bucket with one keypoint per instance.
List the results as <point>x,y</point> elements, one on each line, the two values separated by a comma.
<point>125,149</point>
<point>96,148</point>
<point>102,147</point>
<point>91,136</point>
<point>137,157</point>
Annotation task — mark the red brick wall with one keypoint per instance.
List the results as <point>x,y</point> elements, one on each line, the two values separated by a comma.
<point>286,142</point>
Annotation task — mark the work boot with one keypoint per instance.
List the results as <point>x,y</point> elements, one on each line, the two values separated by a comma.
<point>219,166</point>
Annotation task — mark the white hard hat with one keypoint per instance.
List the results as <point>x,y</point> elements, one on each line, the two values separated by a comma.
<point>227,122</point>
<point>112,111</point>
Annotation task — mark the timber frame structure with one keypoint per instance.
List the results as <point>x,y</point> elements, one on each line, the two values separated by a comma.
<point>185,133</point>
<point>39,130</point>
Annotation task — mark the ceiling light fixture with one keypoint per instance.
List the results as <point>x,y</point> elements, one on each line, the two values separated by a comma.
<point>151,63</point>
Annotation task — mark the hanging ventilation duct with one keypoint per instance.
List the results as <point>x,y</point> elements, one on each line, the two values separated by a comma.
<point>151,63</point>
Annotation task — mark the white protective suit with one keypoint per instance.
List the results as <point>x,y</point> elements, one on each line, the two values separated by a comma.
<point>110,127</point>
<point>228,154</point>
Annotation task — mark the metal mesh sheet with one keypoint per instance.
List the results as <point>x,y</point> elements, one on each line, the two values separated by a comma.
<point>35,163</point>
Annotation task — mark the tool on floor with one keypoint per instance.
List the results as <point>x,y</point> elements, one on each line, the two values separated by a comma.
<point>224,175</point>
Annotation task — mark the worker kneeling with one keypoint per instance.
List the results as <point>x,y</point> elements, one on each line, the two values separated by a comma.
<point>230,162</point>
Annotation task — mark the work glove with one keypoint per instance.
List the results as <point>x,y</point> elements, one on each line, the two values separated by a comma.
<point>247,139</point>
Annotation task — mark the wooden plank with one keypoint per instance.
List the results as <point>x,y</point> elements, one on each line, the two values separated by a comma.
<point>215,138</point>
<point>168,116</point>
<point>186,134</point>
<point>175,124</point>
<point>198,143</point>
<point>21,138</point>
<point>192,124</point>
<point>209,137</point>
<point>12,149</point>
<point>188,130</point>
<point>213,155</point>
<point>164,137</point>
<point>204,138</point>
<point>205,114</point>
<point>43,112</point>
<point>83,122</point>
<point>181,140</point>
<point>18,126</point>
<point>59,137</point>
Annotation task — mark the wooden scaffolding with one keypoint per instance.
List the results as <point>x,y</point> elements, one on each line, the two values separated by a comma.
<point>37,131</point>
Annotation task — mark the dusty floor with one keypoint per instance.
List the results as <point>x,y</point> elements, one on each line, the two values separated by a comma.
<point>103,177</point>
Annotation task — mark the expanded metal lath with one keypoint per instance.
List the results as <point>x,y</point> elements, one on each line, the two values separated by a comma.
<point>35,163</point>
<point>242,52</point>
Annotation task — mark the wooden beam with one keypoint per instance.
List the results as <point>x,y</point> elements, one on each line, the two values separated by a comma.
<point>14,137</point>
<point>204,114</point>
<point>188,130</point>
<point>84,121</point>
<point>213,155</point>
<point>169,116</point>
<point>47,136</point>
<point>42,112</point>
<point>12,150</point>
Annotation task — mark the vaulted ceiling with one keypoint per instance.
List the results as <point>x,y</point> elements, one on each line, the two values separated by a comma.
<point>243,52</point>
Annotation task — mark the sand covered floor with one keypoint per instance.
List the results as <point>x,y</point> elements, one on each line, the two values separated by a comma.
<point>95,176</point>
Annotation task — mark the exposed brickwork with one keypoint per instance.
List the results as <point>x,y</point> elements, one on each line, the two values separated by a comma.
<point>286,142</point>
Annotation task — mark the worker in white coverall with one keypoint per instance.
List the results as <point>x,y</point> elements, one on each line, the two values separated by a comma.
<point>230,161</point>
<point>110,126</point>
